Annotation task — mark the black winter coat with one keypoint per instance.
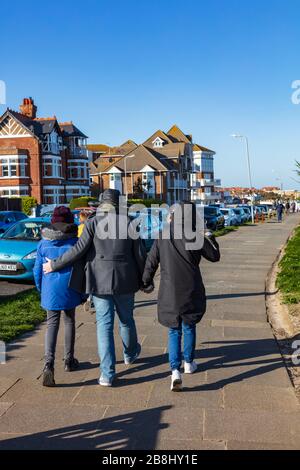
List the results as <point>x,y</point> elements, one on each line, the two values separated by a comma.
<point>104,266</point>
<point>181,293</point>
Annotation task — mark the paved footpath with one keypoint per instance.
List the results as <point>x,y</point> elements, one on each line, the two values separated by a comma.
<point>241,398</point>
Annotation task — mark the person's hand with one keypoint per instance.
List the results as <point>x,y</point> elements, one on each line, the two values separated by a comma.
<point>47,268</point>
<point>147,289</point>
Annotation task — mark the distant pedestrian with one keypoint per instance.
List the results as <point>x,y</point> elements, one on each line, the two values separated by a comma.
<point>287,207</point>
<point>111,271</point>
<point>279,210</point>
<point>293,207</point>
<point>181,297</point>
<point>83,216</point>
<point>56,295</point>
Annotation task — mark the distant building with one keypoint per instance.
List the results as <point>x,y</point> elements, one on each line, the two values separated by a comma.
<point>41,157</point>
<point>167,166</point>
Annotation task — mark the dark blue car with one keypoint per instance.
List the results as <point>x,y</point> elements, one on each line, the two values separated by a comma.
<point>8,218</point>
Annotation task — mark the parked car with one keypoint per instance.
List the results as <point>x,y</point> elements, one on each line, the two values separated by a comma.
<point>241,215</point>
<point>18,245</point>
<point>247,210</point>
<point>75,212</point>
<point>151,221</point>
<point>8,218</point>
<point>229,216</point>
<point>266,208</point>
<point>214,218</point>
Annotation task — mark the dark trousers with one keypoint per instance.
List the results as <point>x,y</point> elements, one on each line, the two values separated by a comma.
<point>53,321</point>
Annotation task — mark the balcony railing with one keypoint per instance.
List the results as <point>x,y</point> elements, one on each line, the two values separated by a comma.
<point>181,184</point>
<point>78,151</point>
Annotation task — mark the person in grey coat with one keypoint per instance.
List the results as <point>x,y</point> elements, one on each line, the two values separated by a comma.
<point>110,269</point>
<point>181,296</point>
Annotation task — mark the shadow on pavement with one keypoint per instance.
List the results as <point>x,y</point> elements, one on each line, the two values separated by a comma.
<point>133,430</point>
<point>239,295</point>
<point>257,356</point>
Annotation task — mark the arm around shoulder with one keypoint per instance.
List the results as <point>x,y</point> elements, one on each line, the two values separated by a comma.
<point>77,251</point>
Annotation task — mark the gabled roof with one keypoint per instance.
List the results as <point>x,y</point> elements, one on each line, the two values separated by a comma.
<point>176,134</point>
<point>105,161</point>
<point>161,135</point>
<point>70,130</point>
<point>99,148</point>
<point>173,150</point>
<point>19,118</point>
<point>200,148</point>
<point>144,156</point>
<point>128,146</point>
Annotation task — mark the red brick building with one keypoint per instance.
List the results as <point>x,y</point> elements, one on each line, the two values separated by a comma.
<point>41,157</point>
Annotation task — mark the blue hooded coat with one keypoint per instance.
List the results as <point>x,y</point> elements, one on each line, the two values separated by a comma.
<point>54,287</point>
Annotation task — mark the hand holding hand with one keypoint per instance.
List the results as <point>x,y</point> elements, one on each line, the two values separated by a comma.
<point>148,289</point>
<point>47,268</point>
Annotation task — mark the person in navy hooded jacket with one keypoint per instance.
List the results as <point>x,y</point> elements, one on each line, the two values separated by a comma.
<point>56,296</point>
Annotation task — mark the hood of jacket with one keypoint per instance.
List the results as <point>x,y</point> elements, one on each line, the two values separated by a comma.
<point>60,231</point>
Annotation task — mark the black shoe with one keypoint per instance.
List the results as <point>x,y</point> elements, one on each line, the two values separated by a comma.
<point>48,375</point>
<point>71,365</point>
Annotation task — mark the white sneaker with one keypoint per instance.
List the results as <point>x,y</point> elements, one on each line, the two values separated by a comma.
<point>190,368</point>
<point>105,382</point>
<point>176,381</point>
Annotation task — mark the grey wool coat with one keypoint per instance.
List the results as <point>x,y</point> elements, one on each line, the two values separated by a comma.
<point>104,266</point>
<point>181,294</point>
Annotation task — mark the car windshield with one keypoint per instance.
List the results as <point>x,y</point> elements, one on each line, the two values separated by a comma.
<point>210,211</point>
<point>25,231</point>
<point>225,211</point>
<point>4,217</point>
<point>237,211</point>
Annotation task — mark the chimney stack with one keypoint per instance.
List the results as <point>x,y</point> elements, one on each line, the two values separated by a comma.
<point>28,108</point>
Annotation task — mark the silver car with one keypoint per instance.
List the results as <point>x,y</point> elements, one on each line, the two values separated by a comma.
<point>229,216</point>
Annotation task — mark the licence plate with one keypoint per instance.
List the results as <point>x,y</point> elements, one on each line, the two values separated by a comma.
<point>8,267</point>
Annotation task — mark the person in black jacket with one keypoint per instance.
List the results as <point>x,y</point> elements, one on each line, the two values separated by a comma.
<point>181,297</point>
<point>109,268</point>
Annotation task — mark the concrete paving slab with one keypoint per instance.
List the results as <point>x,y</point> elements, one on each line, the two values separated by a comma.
<point>256,397</point>
<point>253,426</point>
<point>5,384</point>
<point>49,417</point>
<point>4,407</point>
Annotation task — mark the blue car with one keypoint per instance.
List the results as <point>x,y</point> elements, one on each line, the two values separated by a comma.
<point>151,222</point>
<point>18,246</point>
<point>9,218</point>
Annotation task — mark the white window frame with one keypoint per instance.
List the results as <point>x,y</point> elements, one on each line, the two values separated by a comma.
<point>13,160</point>
<point>56,165</point>
<point>84,164</point>
<point>14,190</point>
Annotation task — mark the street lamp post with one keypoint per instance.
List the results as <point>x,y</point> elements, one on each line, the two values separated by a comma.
<point>245,138</point>
<point>125,173</point>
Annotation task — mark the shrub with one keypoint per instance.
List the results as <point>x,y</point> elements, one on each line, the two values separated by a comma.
<point>146,202</point>
<point>28,203</point>
<point>81,202</point>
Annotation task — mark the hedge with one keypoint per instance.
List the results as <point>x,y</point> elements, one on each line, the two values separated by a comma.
<point>81,202</point>
<point>145,202</point>
<point>28,203</point>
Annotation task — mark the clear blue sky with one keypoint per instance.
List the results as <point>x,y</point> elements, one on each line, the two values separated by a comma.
<point>122,69</point>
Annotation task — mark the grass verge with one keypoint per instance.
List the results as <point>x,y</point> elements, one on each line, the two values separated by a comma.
<point>288,279</point>
<point>19,314</point>
<point>224,231</point>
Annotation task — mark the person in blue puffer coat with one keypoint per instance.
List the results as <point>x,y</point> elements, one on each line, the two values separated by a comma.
<point>56,296</point>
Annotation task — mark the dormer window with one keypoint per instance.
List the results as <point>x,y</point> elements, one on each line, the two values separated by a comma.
<point>158,143</point>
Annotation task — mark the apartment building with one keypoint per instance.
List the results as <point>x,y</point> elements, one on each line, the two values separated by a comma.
<point>168,166</point>
<point>41,157</point>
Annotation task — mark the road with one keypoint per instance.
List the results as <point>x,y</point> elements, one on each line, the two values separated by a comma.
<point>12,288</point>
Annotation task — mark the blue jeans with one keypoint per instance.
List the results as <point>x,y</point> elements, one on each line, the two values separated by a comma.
<point>105,306</point>
<point>175,337</point>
